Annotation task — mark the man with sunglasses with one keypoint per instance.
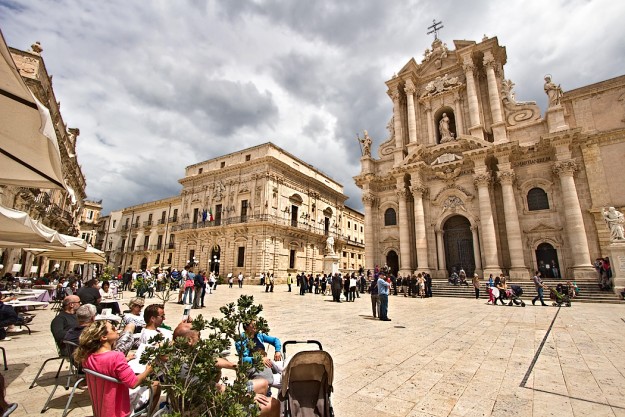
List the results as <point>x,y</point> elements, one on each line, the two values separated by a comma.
<point>65,320</point>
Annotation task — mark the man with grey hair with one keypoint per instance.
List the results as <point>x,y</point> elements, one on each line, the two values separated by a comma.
<point>85,315</point>
<point>65,320</point>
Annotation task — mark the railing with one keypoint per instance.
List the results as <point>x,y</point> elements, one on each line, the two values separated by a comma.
<point>173,219</point>
<point>125,227</point>
<point>355,243</point>
<point>147,223</point>
<point>171,245</point>
<point>161,221</point>
<point>156,247</point>
<point>262,218</point>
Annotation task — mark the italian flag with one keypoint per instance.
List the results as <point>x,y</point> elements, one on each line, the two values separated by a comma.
<point>210,214</point>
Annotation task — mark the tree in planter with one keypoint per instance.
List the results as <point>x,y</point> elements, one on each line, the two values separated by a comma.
<point>189,374</point>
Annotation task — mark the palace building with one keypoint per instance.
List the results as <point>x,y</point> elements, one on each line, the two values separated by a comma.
<point>471,178</point>
<point>257,210</point>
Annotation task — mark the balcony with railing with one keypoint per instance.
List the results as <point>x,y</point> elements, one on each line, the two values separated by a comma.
<point>161,221</point>
<point>171,245</point>
<point>148,223</point>
<point>173,219</point>
<point>156,247</point>
<point>305,225</point>
<point>125,227</point>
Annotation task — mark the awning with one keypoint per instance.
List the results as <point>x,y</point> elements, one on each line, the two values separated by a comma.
<point>19,230</point>
<point>90,254</point>
<point>29,150</point>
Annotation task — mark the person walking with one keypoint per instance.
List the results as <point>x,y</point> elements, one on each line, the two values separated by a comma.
<point>240,279</point>
<point>289,281</point>
<point>476,285</point>
<point>383,290</point>
<point>538,282</point>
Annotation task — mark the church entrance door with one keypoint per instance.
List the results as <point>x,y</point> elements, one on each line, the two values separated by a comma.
<point>459,245</point>
<point>392,260</point>
<point>547,261</point>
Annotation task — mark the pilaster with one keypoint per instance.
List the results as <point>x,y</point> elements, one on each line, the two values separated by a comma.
<point>412,122</point>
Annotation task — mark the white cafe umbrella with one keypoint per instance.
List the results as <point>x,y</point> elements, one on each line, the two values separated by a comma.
<point>90,254</point>
<point>29,151</point>
<point>18,229</point>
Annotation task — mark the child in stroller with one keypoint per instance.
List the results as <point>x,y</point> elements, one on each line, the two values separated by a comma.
<point>514,295</point>
<point>560,296</point>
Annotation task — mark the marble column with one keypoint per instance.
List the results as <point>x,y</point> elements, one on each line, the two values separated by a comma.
<point>397,118</point>
<point>458,115</point>
<point>428,116</point>
<point>405,266</point>
<point>474,110</point>
<point>421,242</point>
<point>498,127</point>
<point>573,214</point>
<point>369,200</point>
<point>440,247</point>
<point>412,121</point>
<point>513,229</point>
<point>476,248</point>
<point>489,238</point>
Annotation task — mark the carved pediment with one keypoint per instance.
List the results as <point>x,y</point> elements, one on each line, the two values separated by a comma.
<point>440,85</point>
<point>452,193</point>
<point>541,228</point>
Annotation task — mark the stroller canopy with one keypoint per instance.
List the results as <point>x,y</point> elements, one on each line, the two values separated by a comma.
<point>308,366</point>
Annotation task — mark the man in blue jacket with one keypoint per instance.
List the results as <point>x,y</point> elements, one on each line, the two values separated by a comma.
<point>258,341</point>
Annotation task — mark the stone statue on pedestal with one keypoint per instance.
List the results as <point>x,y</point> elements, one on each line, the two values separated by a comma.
<point>443,127</point>
<point>366,144</point>
<point>330,245</point>
<point>614,219</point>
<point>553,91</point>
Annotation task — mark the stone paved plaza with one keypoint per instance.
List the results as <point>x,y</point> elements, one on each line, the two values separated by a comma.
<point>437,357</point>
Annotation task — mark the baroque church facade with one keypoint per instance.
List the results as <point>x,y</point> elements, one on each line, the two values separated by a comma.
<point>471,178</point>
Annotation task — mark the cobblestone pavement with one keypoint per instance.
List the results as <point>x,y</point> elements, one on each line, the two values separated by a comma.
<point>437,357</point>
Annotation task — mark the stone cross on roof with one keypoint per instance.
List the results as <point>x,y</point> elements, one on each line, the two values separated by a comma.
<point>435,28</point>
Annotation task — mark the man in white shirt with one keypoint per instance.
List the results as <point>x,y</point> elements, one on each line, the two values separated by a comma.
<point>154,315</point>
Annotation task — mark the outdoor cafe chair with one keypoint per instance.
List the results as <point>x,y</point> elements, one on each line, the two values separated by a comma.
<point>97,394</point>
<point>75,373</point>
<point>12,407</point>
<point>4,357</point>
<point>60,355</point>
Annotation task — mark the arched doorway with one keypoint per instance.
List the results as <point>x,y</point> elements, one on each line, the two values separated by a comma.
<point>392,261</point>
<point>144,264</point>
<point>215,259</point>
<point>547,261</point>
<point>459,245</point>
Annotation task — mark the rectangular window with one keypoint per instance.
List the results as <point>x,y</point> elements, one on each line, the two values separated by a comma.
<point>359,256</point>
<point>196,212</point>
<point>292,259</point>
<point>110,245</point>
<point>199,171</point>
<point>191,255</point>
<point>123,244</point>
<point>159,242</point>
<point>248,157</point>
<point>146,241</point>
<point>175,218</point>
<point>90,214</point>
<point>349,224</point>
<point>352,255</point>
<point>241,257</point>
<point>355,227</point>
<point>163,214</point>
<point>114,223</point>
<point>133,243</point>
<point>243,211</point>
<point>360,229</point>
<point>137,221</point>
<point>150,218</point>
<point>158,259</point>
<point>223,165</point>
<point>218,215</point>
<point>344,254</point>
<point>169,258</point>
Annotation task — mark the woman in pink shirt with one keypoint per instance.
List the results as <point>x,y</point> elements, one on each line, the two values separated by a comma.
<point>96,352</point>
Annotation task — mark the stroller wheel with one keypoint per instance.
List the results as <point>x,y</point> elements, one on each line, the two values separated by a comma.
<point>522,304</point>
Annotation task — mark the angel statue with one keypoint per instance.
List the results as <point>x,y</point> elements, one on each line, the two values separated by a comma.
<point>614,219</point>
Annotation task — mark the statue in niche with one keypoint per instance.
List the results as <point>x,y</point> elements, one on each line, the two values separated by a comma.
<point>614,219</point>
<point>366,144</point>
<point>553,91</point>
<point>330,245</point>
<point>443,128</point>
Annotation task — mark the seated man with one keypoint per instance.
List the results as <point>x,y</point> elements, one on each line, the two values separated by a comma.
<point>9,318</point>
<point>258,341</point>
<point>90,294</point>
<point>154,315</point>
<point>65,320</point>
<point>85,315</point>
<point>268,406</point>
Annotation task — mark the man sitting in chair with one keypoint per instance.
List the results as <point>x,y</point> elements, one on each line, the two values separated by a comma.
<point>9,318</point>
<point>65,320</point>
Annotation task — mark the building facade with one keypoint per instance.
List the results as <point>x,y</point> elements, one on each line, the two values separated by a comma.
<point>257,210</point>
<point>58,209</point>
<point>471,178</point>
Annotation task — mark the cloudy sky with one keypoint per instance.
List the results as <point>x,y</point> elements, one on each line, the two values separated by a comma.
<point>154,86</point>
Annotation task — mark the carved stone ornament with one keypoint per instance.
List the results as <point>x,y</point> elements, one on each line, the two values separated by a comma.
<point>219,191</point>
<point>446,157</point>
<point>368,199</point>
<point>506,177</point>
<point>440,85</point>
<point>418,191</point>
<point>453,203</point>
<point>481,180</point>
<point>565,168</point>
<point>439,50</point>
<point>410,87</point>
<point>517,112</point>
<point>401,194</point>
<point>388,146</point>
<point>448,174</point>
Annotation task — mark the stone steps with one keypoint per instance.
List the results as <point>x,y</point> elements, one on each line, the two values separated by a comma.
<point>589,291</point>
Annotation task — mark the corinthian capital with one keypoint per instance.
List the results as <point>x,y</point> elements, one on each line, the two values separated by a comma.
<point>482,180</point>
<point>393,94</point>
<point>410,87</point>
<point>418,191</point>
<point>401,194</point>
<point>489,60</point>
<point>467,65</point>
<point>566,168</point>
<point>368,199</point>
<point>506,177</point>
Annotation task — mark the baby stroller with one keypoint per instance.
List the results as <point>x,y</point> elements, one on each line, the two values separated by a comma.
<point>307,383</point>
<point>559,296</point>
<point>514,295</point>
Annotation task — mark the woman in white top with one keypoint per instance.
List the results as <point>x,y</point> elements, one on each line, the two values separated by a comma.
<point>106,294</point>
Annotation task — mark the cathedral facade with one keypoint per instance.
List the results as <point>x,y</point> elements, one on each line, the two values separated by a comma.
<point>471,178</point>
